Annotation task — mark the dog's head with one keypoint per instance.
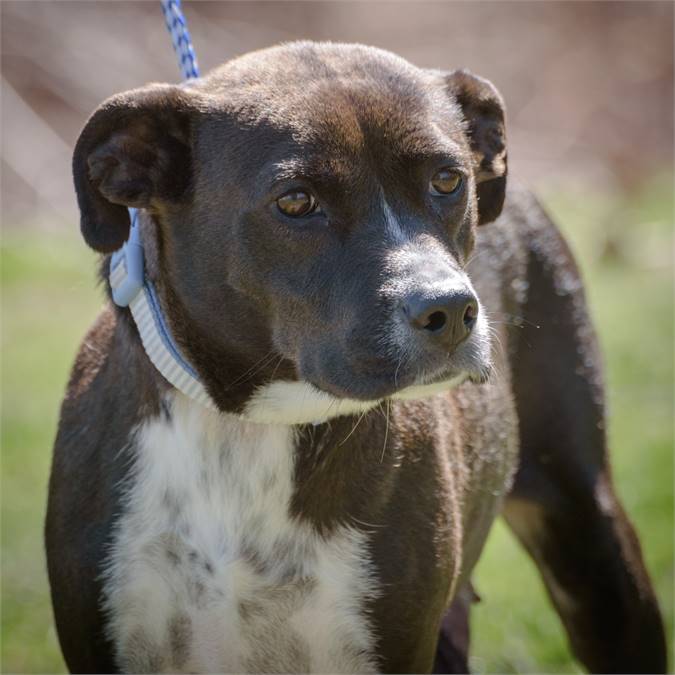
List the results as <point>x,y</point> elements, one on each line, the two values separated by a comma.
<point>310,210</point>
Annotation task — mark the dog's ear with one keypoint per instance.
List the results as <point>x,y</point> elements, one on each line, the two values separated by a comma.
<point>135,150</point>
<point>484,113</point>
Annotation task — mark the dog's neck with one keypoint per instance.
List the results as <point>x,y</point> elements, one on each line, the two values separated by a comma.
<point>132,288</point>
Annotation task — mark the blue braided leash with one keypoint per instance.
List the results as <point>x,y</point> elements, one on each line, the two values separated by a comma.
<point>180,37</point>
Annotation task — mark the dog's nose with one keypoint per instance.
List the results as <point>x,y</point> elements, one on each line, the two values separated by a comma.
<point>446,319</point>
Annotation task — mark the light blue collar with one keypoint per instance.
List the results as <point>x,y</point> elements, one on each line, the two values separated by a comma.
<point>131,288</point>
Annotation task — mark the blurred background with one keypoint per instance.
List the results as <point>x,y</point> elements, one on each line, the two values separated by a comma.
<point>589,91</point>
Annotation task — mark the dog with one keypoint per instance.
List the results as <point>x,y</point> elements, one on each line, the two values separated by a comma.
<point>384,348</point>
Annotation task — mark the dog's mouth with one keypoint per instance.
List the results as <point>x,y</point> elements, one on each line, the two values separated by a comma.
<point>374,377</point>
<point>398,365</point>
<point>376,390</point>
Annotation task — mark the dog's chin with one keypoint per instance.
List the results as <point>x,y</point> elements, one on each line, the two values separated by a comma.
<point>303,402</point>
<point>404,384</point>
<point>442,383</point>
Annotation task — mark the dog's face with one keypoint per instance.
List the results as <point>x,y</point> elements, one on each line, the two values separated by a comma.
<point>314,207</point>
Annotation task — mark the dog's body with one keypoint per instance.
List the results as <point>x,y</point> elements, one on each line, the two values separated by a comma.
<point>329,513</point>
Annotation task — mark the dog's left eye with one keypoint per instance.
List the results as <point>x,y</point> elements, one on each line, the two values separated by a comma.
<point>445,182</point>
<point>297,203</point>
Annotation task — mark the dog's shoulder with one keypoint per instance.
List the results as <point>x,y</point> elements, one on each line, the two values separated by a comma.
<point>92,357</point>
<point>91,456</point>
<point>111,379</point>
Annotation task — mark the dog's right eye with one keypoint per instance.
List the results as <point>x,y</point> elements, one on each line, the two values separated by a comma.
<point>445,182</point>
<point>297,203</point>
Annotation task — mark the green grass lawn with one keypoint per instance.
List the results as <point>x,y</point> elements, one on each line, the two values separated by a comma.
<point>624,246</point>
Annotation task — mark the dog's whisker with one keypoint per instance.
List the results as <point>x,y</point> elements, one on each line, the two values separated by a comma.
<point>358,421</point>
<point>396,371</point>
<point>276,368</point>
<point>476,255</point>
<point>386,431</point>
<point>365,523</point>
<point>512,319</point>
<point>255,368</point>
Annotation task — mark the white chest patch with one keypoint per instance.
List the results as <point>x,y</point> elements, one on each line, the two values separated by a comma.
<point>209,572</point>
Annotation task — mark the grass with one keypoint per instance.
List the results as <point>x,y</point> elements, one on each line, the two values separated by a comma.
<point>625,250</point>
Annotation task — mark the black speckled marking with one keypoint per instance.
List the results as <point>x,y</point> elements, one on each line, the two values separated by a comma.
<point>180,638</point>
<point>173,551</point>
<point>172,504</point>
<point>141,654</point>
<point>197,592</point>
<point>165,411</point>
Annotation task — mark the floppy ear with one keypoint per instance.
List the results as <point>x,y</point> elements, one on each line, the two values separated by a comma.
<point>484,112</point>
<point>135,150</point>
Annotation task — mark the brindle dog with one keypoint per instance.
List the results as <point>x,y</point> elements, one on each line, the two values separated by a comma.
<point>336,254</point>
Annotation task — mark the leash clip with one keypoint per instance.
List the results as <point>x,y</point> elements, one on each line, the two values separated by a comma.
<point>126,266</point>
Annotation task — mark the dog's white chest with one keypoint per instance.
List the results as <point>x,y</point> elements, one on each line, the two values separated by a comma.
<point>210,573</point>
